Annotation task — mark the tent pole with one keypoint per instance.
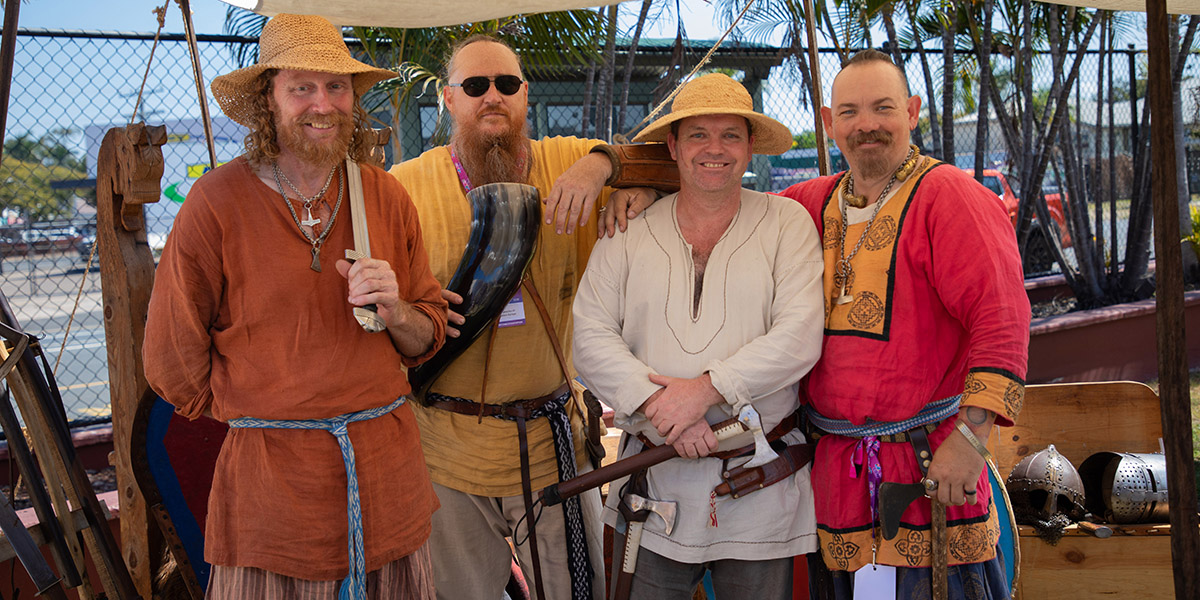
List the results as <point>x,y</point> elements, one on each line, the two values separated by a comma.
<point>1172,347</point>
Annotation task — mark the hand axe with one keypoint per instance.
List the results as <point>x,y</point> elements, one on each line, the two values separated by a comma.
<point>894,499</point>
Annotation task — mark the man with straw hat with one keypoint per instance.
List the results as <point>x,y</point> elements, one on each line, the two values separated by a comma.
<point>502,421</point>
<point>320,490</point>
<point>927,330</point>
<point>705,309</point>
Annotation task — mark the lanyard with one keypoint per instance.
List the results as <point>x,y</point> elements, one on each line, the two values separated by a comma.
<point>462,173</point>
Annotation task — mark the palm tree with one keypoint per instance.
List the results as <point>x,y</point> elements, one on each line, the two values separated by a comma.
<point>546,42</point>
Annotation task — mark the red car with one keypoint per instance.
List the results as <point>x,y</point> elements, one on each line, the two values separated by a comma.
<point>996,181</point>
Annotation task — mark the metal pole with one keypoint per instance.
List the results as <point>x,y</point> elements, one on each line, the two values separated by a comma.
<point>1168,299</point>
<point>814,61</point>
<point>8,49</point>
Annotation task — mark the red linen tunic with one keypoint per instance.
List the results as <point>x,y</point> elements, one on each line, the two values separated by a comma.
<point>940,309</point>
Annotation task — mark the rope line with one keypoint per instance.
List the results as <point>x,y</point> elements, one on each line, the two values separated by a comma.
<point>161,13</point>
<point>699,65</point>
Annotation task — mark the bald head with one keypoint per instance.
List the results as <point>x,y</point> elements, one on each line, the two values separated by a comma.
<point>874,58</point>
<point>482,45</point>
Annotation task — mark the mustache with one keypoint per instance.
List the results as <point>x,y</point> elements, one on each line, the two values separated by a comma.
<point>869,137</point>
<point>335,118</point>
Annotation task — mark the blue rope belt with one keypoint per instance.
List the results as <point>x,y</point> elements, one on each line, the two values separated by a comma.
<point>931,413</point>
<point>354,587</point>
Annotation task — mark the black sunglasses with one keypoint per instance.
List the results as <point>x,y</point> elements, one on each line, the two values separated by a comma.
<point>478,86</point>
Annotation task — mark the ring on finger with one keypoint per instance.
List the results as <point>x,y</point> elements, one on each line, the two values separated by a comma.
<point>969,493</point>
<point>602,209</point>
<point>931,485</point>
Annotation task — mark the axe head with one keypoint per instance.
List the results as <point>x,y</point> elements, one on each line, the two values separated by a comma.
<point>894,499</point>
<point>665,510</point>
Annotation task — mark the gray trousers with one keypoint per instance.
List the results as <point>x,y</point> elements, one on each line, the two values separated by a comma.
<point>472,559</point>
<point>660,578</point>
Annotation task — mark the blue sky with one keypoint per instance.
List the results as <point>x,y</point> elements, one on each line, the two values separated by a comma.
<point>119,15</point>
<point>209,16</point>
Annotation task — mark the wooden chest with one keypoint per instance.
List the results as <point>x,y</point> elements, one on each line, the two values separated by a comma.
<point>1081,419</point>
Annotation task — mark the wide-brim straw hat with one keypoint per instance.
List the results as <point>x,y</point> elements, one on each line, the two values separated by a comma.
<point>718,94</point>
<point>296,42</point>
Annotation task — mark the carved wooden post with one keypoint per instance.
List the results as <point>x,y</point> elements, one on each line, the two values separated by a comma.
<point>128,175</point>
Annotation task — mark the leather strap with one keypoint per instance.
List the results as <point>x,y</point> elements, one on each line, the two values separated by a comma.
<point>527,496</point>
<point>740,481</point>
<point>595,447</point>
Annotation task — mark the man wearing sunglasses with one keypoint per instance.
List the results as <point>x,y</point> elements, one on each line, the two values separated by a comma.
<point>474,455</point>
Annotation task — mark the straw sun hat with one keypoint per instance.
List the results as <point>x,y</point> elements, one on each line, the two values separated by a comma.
<point>717,94</point>
<point>297,42</point>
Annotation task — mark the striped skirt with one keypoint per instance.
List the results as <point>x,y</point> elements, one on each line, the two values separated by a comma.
<point>407,578</point>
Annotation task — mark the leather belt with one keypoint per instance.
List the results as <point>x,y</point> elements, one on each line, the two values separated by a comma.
<point>902,437</point>
<point>518,409</point>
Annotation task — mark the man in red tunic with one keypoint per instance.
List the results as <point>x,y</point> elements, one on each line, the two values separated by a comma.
<point>926,336</point>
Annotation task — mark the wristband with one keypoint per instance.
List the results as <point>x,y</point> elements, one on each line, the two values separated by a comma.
<point>974,441</point>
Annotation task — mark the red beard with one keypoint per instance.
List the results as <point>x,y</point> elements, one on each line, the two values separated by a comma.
<point>320,153</point>
<point>493,158</point>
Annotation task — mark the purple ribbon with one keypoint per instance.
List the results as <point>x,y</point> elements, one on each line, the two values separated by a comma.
<point>867,451</point>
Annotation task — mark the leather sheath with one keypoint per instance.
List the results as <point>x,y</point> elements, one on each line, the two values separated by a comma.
<point>641,165</point>
<point>740,481</point>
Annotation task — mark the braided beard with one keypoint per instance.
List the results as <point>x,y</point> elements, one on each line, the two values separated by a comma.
<point>493,158</point>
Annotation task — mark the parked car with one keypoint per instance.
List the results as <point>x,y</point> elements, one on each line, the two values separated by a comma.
<point>1038,258</point>
<point>38,240</point>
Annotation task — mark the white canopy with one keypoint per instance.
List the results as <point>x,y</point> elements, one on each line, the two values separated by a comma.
<point>411,13</point>
<point>1179,7</point>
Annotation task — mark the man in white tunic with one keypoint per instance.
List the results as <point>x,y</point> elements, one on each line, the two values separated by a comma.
<point>709,308</point>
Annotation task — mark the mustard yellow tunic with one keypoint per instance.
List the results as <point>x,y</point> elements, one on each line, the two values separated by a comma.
<point>462,453</point>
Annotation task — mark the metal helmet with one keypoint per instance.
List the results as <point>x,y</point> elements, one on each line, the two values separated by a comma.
<point>1126,487</point>
<point>1045,484</point>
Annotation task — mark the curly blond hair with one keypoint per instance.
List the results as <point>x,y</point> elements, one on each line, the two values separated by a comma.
<point>262,143</point>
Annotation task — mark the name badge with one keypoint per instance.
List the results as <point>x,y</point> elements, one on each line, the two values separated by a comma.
<point>514,312</point>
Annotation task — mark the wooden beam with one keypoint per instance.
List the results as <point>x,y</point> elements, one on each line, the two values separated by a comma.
<point>129,171</point>
<point>1172,347</point>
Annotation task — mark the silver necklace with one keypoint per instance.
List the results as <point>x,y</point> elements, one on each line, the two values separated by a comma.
<point>316,243</point>
<point>843,270</point>
<point>309,221</point>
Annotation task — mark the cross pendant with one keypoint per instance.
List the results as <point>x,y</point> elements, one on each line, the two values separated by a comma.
<point>310,221</point>
<point>316,263</point>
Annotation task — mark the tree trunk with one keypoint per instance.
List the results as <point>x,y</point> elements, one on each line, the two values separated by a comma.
<point>948,83</point>
<point>633,44</point>
<point>894,45</point>
<point>935,145</point>
<point>984,50</point>
<point>604,101</point>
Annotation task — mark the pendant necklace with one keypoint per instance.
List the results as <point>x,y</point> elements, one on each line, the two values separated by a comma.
<point>843,270</point>
<point>310,221</point>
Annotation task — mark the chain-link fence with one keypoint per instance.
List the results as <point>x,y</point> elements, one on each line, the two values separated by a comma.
<point>70,87</point>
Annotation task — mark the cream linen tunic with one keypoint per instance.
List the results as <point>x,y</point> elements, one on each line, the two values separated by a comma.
<point>757,331</point>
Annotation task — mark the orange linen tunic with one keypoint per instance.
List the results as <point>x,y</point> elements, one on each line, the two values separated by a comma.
<point>240,325</point>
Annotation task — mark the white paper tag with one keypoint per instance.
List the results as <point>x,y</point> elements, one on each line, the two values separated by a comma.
<point>514,312</point>
<point>875,583</point>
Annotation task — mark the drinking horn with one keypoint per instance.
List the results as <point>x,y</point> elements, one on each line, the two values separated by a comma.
<point>505,220</point>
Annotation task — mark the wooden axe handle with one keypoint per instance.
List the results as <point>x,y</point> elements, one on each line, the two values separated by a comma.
<point>558,492</point>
